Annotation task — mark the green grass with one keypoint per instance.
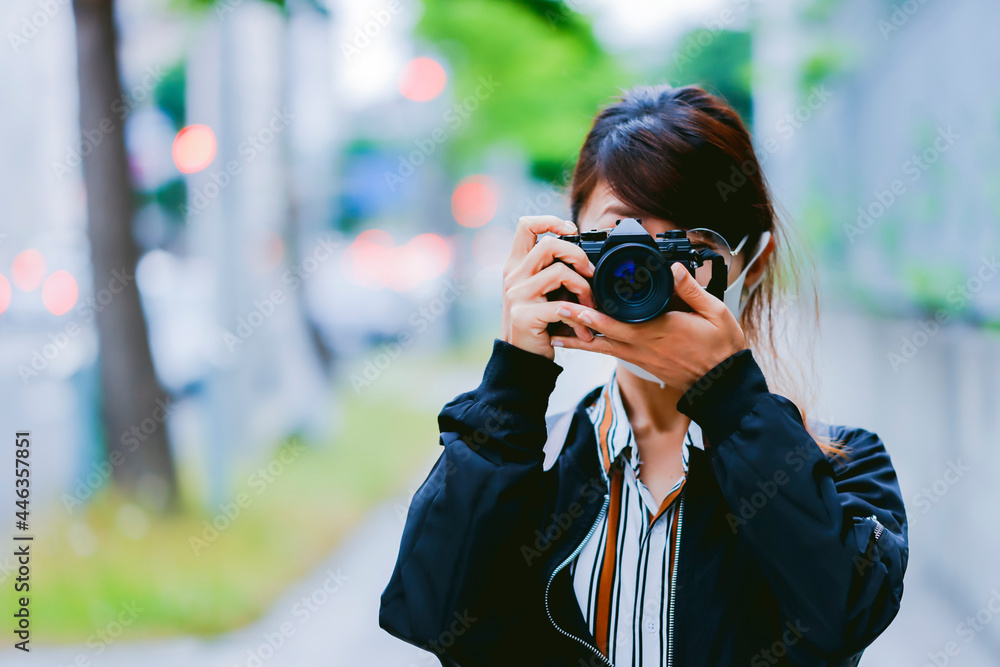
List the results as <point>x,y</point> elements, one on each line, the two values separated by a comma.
<point>287,529</point>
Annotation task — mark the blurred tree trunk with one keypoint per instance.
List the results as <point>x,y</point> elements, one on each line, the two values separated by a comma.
<point>292,189</point>
<point>133,406</point>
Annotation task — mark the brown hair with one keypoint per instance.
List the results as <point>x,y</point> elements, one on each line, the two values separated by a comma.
<point>684,155</point>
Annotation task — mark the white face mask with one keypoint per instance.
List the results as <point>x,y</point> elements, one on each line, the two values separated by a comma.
<point>732,297</point>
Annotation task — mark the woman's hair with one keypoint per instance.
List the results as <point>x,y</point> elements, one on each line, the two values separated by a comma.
<point>684,155</point>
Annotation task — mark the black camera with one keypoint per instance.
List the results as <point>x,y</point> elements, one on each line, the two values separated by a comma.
<point>632,280</point>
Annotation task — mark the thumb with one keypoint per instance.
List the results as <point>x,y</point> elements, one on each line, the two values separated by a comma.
<point>691,292</point>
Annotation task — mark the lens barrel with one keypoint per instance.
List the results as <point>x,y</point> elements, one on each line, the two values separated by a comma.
<point>632,282</point>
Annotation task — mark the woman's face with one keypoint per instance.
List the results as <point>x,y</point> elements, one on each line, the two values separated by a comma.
<point>601,210</point>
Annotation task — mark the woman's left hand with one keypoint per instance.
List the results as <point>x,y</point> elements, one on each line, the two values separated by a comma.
<point>677,347</point>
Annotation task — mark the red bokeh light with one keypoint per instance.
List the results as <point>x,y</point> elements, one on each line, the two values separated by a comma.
<point>374,260</point>
<point>422,79</point>
<point>4,293</point>
<point>194,148</point>
<point>59,292</point>
<point>370,259</point>
<point>28,270</point>
<point>424,257</point>
<point>474,201</point>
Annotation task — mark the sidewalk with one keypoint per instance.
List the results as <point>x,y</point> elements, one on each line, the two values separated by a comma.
<point>328,619</point>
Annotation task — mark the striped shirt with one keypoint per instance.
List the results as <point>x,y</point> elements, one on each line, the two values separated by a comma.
<point>622,577</point>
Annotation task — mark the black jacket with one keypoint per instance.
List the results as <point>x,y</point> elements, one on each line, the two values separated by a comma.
<point>786,555</point>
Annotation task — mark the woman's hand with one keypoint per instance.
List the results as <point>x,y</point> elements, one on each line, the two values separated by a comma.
<point>531,272</point>
<point>677,347</point>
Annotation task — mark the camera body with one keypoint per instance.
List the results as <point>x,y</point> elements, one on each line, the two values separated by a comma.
<point>632,279</point>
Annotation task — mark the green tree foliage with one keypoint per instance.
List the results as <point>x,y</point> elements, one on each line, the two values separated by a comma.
<point>553,76</point>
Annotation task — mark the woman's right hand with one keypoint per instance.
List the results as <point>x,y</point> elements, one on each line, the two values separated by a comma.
<point>531,272</point>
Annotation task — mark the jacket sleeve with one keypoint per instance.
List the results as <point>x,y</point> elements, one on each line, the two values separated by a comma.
<point>830,535</point>
<point>468,519</point>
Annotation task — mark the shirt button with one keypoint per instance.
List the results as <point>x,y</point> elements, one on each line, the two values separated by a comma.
<point>650,625</point>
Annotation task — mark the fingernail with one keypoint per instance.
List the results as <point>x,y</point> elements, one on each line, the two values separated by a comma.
<point>592,267</point>
<point>564,312</point>
<point>678,269</point>
<point>569,227</point>
<point>584,318</point>
<point>557,343</point>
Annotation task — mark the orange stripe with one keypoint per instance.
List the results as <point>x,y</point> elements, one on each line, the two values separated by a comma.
<point>666,502</point>
<point>607,575</point>
<point>605,427</point>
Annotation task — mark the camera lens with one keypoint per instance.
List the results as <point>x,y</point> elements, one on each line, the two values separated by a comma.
<point>632,283</point>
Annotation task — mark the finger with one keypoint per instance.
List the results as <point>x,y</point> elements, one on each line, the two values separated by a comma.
<point>599,344</point>
<point>602,323</point>
<point>550,279</point>
<point>528,229</point>
<point>540,313</point>
<point>693,294</point>
<point>547,250</point>
<point>581,330</point>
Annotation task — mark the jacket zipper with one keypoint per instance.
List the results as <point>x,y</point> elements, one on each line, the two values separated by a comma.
<point>673,582</point>
<point>576,552</point>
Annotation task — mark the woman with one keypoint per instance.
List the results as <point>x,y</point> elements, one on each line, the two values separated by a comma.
<point>681,514</point>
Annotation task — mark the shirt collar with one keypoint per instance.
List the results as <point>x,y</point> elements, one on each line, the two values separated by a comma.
<point>614,434</point>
